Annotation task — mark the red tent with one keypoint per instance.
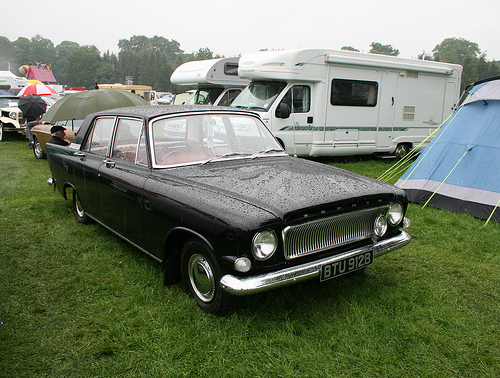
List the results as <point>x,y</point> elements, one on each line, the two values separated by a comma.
<point>42,73</point>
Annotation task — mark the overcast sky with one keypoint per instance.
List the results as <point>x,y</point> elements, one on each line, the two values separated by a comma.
<point>230,28</point>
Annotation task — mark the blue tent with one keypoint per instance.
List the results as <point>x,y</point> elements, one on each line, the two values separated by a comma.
<point>460,168</point>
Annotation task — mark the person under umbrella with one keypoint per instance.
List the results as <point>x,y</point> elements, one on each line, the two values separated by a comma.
<point>33,107</point>
<point>58,134</point>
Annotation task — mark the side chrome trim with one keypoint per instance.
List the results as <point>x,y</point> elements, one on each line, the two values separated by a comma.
<point>256,284</point>
<point>125,239</point>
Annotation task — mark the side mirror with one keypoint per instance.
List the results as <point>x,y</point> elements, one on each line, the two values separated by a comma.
<point>283,111</point>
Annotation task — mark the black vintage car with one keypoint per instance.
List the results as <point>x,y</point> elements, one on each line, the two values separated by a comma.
<point>209,193</point>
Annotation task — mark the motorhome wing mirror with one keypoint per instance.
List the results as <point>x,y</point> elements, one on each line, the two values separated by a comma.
<point>282,111</point>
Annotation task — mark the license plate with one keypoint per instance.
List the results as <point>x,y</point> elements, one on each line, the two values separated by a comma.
<point>347,265</point>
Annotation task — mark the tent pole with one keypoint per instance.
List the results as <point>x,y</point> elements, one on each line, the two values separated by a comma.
<point>488,220</point>
<point>387,175</point>
<point>448,175</point>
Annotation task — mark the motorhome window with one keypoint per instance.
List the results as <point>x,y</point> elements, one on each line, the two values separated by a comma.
<point>205,96</point>
<point>259,95</point>
<point>354,93</point>
<point>229,97</point>
<point>231,69</point>
<point>298,98</point>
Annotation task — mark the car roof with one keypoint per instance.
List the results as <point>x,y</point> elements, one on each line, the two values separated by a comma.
<point>148,112</point>
<point>152,111</point>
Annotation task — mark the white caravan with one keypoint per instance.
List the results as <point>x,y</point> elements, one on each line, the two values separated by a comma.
<point>320,102</point>
<point>8,80</point>
<point>216,80</point>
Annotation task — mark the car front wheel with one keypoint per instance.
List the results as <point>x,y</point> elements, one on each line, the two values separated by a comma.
<point>201,276</point>
<point>37,149</point>
<point>3,135</point>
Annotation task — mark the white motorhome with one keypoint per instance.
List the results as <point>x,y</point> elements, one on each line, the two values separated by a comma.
<point>216,80</point>
<point>320,102</point>
<point>8,80</point>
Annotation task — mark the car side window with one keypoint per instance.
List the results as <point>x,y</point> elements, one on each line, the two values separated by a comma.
<point>128,132</point>
<point>98,143</point>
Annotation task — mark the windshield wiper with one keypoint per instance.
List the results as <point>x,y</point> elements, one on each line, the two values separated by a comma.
<point>225,155</point>
<point>263,152</point>
<point>249,107</point>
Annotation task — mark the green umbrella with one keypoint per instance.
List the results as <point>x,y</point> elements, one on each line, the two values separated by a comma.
<point>81,104</point>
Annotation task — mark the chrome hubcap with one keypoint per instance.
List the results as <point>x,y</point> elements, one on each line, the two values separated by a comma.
<point>78,207</point>
<point>38,149</point>
<point>202,277</point>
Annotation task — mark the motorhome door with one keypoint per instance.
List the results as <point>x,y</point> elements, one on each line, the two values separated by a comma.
<point>296,129</point>
<point>387,105</point>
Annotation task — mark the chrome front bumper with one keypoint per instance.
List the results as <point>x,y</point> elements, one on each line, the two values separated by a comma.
<point>256,284</point>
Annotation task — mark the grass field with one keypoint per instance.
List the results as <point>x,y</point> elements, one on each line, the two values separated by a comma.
<point>77,301</point>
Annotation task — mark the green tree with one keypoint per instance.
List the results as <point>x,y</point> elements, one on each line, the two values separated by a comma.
<point>59,65</point>
<point>82,67</point>
<point>150,61</point>
<point>41,50</point>
<point>203,54</point>
<point>378,48</point>
<point>108,71</point>
<point>349,48</point>
<point>20,51</point>
<point>456,50</point>
<point>6,57</point>
<point>463,52</point>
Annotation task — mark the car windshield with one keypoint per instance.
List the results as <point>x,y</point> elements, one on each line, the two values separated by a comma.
<point>9,102</point>
<point>50,100</point>
<point>259,95</point>
<point>205,138</point>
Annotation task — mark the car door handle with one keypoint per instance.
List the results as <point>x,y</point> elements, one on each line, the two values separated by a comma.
<point>110,163</point>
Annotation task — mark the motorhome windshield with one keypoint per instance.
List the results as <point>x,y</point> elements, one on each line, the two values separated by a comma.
<point>259,95</point>
<point>205,96</point>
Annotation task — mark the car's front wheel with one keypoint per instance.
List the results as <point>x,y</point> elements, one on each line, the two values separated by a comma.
<point>3,135</point>
<point>201,276</point>
<point>37,149</point>
<point>80,214</point>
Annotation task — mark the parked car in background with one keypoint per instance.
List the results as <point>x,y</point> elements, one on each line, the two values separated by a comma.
<point>11,118</point>
<point>164,98</point>
<point>209,193</point>
<point>41,135</point>
<point>181,98</point>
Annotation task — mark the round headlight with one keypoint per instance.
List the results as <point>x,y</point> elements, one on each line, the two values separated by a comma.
<point>380,226</point>
<point>264,244</point>
<point>242,264</point>
<point>395,213</point>
<point>13,115</point>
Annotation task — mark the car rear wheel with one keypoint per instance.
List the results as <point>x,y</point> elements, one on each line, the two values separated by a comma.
<point>37,149</point>
<point>80,214</point>
<point>201,275</point>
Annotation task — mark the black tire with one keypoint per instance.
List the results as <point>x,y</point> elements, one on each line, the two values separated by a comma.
<point>401,150</point>
<point>3,134</point>
<point>80,214</point>
<point>37,149</point>
<point>201,276</point>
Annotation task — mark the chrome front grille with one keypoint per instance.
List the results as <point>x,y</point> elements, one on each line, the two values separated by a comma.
<point>325,233</point>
